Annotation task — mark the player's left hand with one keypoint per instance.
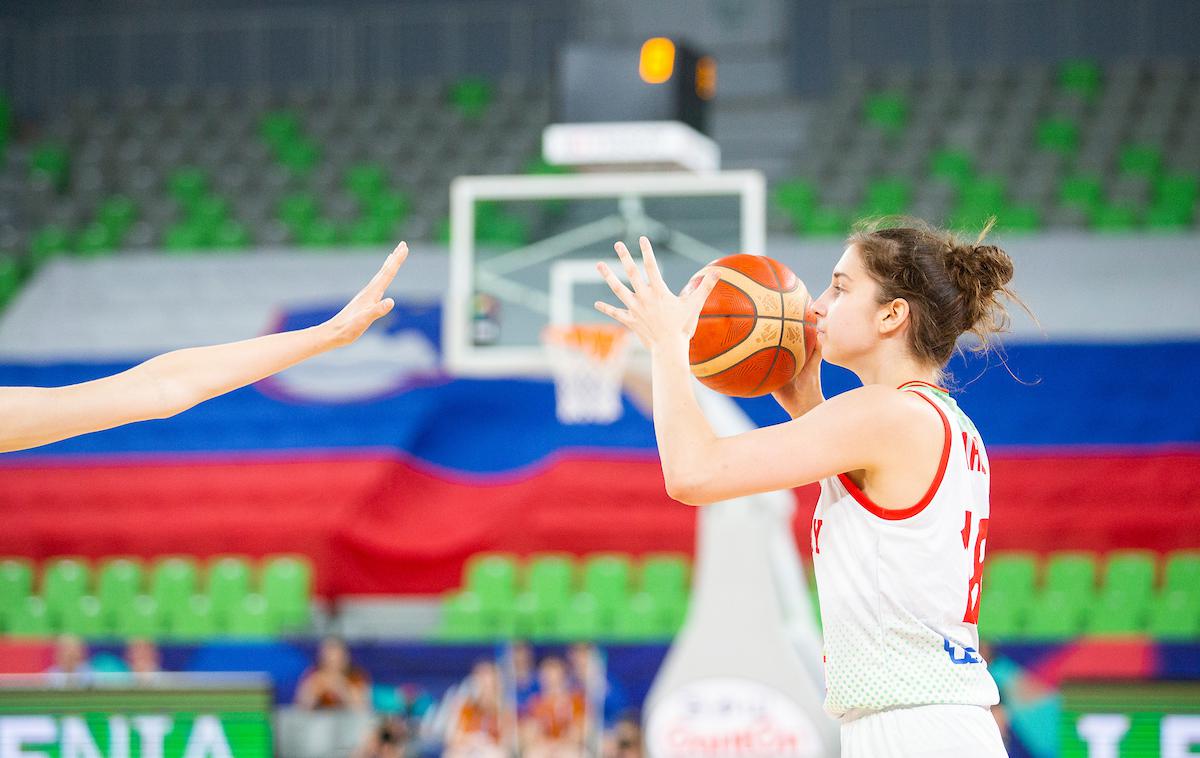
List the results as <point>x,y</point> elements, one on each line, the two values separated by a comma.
<point>652,311</point>
<point>369,304</point>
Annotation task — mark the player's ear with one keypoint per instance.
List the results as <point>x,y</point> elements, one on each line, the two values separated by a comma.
<point>893,315</point>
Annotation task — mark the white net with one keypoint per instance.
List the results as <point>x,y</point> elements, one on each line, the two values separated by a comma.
<point>588,364</point>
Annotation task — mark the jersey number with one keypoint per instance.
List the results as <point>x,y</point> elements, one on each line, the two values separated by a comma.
<point>975,587</point>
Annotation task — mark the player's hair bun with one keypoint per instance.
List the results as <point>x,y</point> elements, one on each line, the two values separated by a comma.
<point>979,272</point>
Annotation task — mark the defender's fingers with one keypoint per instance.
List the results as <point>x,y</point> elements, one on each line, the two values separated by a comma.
<point>651,263</point>
<point>387,271</point>
<point>617,314</point>
<point>703,289</point>
<point>631,269</point>
<point>616,285</point>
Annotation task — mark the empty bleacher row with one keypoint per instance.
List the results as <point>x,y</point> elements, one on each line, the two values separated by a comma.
<point>558,596</point>
<point>174,597</point>
<point>1079,146</point>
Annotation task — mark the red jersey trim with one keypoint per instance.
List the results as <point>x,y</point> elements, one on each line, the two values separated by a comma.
<point>893,514</point>
<point>924,384</point>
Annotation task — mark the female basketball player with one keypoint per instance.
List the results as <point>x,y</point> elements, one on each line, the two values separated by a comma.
<point>900,529</point>
<point>173,382</point>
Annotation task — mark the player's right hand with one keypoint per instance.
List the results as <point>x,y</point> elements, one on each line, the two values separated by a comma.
<point>803,393</point>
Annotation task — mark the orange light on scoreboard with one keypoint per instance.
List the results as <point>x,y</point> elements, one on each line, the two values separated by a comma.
<point>657,62</point>
<point>706,77</point>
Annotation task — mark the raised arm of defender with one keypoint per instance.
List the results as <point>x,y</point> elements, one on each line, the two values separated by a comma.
<point>173,382</point>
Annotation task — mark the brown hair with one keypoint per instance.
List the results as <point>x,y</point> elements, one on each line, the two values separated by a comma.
<point>952,287</point>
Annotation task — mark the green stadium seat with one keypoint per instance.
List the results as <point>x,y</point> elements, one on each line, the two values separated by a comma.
<point>463,618</point>
<point>1182,572</point>
<point>1130,571</point>
<point>955,166</point>
<point>287,585</point>
<point>49,241</point>
<point>300,156</point>
<point>887,197</point>
<point>1080,76</point>
<point>369,231</point>
<point>193,619</point>
<point>251,618</point>
<point>118,582</point>
<point>1175,615</point>
<point>665,575</point>
<point>1081,191</point>
<point>137,619</point>
<point>185,236</point>
<point>279,128</point>
<point>1168,218</point>
<point>117,213</point>
<point>1010,573</point>
<point>52,162</point>
<point>1143,160</point>
<point>95,239</point>
<point>16,581</point>
<point>319,233</point>
<point>581,618</point>
<point>187,185</point>
<point>1055,614</point>
<point>550,577</point>
<point>298,209</point>
<point>1115,218</point>
<point>1072,572</point>
<point>173,582</point>
<point>827,222</point>
<point>64,581</point>
<point>1002,613</point>
<point>366,181</point>
<point>471,97</point>
<point>493,577</point>
<point>888,111</point>
<point>84,618</point>
<point>530,619</point>
<point>1058,134</point>
<point>229,234</point>
<point>11,275</point>
<point>209,210</point>
<point>1177,191</point>
<point>389,206</point>
<point>228,583</point>
<point>795,194</point>
<point>30,618</point>
<point>607,578</point>
<point>639,619</point>
<point>1117,613</point>
<point>985,192</point>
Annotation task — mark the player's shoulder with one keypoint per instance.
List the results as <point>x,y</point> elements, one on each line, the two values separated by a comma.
<point>888,407</point>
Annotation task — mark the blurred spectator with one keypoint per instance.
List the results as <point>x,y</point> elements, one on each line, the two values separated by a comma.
<point>70,665</point>
<point>604,695</point>
<point>624,740</point>
<point>553,725</point>
<point>388,740</point>
<point>335,682</point>
<point>141,656</point>
<point>481,724</point>
<point>525,683</point>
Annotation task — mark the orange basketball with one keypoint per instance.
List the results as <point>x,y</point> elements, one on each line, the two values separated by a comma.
<point>753,334</point>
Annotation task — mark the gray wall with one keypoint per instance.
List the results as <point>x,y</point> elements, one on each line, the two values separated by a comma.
<point>50,51</point>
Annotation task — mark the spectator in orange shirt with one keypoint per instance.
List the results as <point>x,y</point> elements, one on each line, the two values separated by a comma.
<point>554,721</point>
<point>335,682</point>
<point>478,728</point>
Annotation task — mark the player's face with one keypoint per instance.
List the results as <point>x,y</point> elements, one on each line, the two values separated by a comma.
<point>847,311</point>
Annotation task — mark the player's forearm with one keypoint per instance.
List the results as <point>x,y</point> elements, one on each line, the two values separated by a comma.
<point>685,438</point>
<point>190,376</point>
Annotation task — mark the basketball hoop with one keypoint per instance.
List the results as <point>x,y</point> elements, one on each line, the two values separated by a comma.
<point>588,363</point>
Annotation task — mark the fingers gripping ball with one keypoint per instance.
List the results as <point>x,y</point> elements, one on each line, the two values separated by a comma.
<point>753,334</point>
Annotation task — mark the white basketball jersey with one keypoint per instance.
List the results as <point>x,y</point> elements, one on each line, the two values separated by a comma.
<point>899,590</point>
